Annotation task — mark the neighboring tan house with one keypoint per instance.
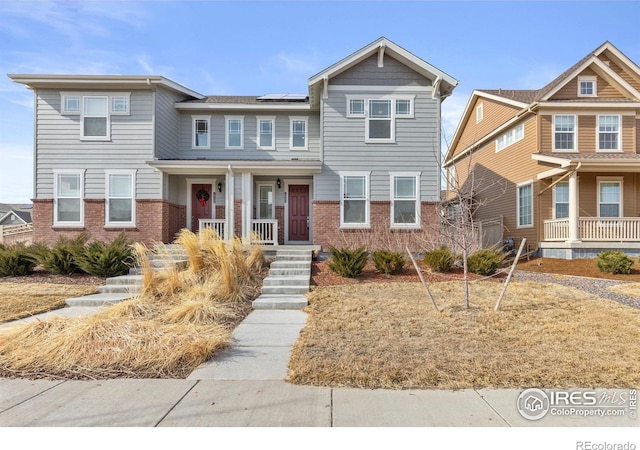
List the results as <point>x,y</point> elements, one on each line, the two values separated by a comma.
<point>560,166</point>
<point>354,158</point>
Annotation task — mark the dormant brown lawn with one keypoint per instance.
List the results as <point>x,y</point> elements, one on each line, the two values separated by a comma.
<point>390,336</point>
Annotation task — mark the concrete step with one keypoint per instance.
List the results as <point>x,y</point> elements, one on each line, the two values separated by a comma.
<point>125,279</point>
<point>290,265</point>
<point>292,252</point>
<point>99,299</point>
<point>285,290</point>
<point>120,289</point>
<point>286,281</point>
<point>280,302</point>
<point>287,272</point>
<point>306,258</point>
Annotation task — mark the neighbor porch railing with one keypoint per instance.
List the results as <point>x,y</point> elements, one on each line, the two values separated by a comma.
<point>219,225</point>
<point>265,231</point>
<point>613,229</point>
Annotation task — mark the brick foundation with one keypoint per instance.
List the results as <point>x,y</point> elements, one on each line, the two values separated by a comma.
<point>157,221</point>
<point>327,232</point>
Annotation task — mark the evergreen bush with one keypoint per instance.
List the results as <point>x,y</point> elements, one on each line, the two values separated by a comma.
<point>387,262</point>
<point>16,260</point>
<point>106,259</point>
<point>485,262</point>
<point>614,262</point>
<point>439,260</point>
<point>346,262</point>
<point>61,258</point>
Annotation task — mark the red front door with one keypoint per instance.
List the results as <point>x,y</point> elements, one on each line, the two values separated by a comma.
<point>201,200</point>
<point>298,212</point>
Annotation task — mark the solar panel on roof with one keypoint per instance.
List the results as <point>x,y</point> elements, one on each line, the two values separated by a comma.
<point>283,98</point>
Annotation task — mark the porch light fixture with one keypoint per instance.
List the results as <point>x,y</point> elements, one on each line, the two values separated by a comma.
<point>279,183</point>
<point>219,187</point>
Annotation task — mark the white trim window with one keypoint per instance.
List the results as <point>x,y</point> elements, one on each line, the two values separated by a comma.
<point>525,204</point>
<point>201,132</point>
<point>266,201</point>
<point>405,199</point>
<point>609,133</point>
<point>561,200</point>
<point>266,139</point>
<point>68,204</point>
<point>120,204</point>
<point>380,123</point>
<point>564,132</point>
<point>587,86</point>
<point>510,137</point>
<point>355,107</point>
<point>95,117</point>
<point>609,197</point>
<point>120,104</point>
<point>234,126</point>
<point>70,103</point>
<point>404,107</point>
<point>354,199</point>
<point>479,112</point>
<point>298,127</point>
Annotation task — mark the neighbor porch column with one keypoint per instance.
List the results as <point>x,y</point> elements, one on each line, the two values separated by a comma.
<point>573,208</point>
<point>247,205</point>
<point>229,204</point>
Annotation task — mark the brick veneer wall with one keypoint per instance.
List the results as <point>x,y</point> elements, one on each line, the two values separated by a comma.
<point>157,221</point>
<point>327,232</point>
<point>280,217</point>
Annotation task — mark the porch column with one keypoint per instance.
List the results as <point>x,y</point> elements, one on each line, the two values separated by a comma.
<point>573,208</point>
<point>229,204</point>
<point>247,205</point>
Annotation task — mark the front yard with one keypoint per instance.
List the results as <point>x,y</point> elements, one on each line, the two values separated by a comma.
<point>388,335</point>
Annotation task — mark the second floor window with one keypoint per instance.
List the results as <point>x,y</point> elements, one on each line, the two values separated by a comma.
<point>298,133</point>
<point>201,125</point>
<point>514,135</point>
<point>234,132</point>
<point>95,118</point>
<point>564,132</point>
<point>265,133</point>
<point>609,132</point>
<point>380,121</point>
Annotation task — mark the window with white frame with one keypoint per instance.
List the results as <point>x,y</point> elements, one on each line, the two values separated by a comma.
<point>354,199</point>
<point>525,205</point>
<point>380,124</point>
<point>587,86</point>
<point>266,201</point>
<point>234,132</point>
<point>564,132</point>
<point>68,203</point>
<point>70,104</point>
<point>405,200</point>
<point>609,133</point>
<point>200,133</point>
<point>510,137</point>
<point>298,138</point>
<point>609,197</point>
<point>95,117</point>
<point>355,107</point>
<point>561,200</point>
<point>120,104</point>
<point>266,139</point>
<point>479,112</point>
<point>404,107</point>
<point>120,201</point>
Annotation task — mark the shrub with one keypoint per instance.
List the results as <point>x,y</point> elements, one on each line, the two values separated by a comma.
<point>348,263</point>
<point>390,263</point>
<point>485,262</point>
<point>61,258</point>
<point>439,260</point>
<point>614,262</point>
<point>16,260</point>
<point>106,260</point>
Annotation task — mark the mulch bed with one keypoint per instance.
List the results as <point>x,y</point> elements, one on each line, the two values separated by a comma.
<point>41,276</point>
<point>321,275</point>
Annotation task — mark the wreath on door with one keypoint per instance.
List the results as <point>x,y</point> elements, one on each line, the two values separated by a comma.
<point>203,197</point>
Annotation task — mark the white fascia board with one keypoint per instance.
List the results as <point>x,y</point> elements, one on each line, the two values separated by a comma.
<point>589,105</point>
<point>562,162</point>
<point>500,99</point>
<point>283,167</point>
<point>621,56</point>
<point>244,106</point>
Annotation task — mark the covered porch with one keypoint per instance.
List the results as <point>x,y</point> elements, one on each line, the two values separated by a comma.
<point>262,202</point>
<point>590,204</point>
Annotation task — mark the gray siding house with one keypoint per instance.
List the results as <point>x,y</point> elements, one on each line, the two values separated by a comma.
<point>355,160</point>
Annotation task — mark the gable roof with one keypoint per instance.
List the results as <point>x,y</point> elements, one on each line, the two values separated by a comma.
<point>22,215</point>
<point>528,99</point>
<point>384,46</point>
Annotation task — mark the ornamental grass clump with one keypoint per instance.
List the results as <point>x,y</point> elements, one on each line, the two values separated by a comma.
<point>181,318</point>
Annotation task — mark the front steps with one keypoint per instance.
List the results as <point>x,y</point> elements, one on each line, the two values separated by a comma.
<point>287,282</point>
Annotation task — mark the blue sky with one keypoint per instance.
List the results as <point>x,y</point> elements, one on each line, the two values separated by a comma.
<point>262,47</point>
